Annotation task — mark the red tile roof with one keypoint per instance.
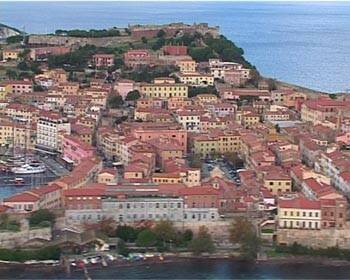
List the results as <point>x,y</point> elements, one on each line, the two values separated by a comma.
<point>299,203</point>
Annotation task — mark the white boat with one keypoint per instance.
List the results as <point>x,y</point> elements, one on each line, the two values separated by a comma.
<point>29,169</point>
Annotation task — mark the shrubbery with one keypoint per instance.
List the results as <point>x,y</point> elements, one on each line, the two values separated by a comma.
<point>92,33</point>
<point>41,218</point>
<point>46,253</point>
<point>330,252</point>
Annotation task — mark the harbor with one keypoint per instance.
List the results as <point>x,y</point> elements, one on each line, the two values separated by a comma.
<point>11,183</point>
<point>19,174</point>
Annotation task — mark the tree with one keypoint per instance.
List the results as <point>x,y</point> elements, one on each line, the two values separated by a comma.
<point>24,54</point>
<point>133,95</point>
<point>115,101</point>
<point>332,96</point>
<point>183,238</point>
<point>11,74</point>
<point>118,62</point>
<point>122,249</point>
<point>201,54</point>
<point>243,232</point>
<point>160,42</point>
<point>234,158</point>
<point>144,40</point>
<point>14,39</point>
<point>194,91</point>
<point>196,161</point>
<point>40,216</point>
<point>165,231</point>
<point>161,33</point>
<point>126,233</point>
<point>271,83</point>
<point>277,127</point>
<point>146,238</point>
<point>202,242</point>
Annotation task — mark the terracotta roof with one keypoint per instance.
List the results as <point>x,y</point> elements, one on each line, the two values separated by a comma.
<point>299,203</point>
<point>198,191</point>
<point>22,197</point>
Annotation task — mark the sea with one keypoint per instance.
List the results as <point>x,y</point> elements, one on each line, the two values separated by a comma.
<point>194,269</point>
<point>304,43</point>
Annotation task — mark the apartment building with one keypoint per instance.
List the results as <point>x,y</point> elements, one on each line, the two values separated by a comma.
<point>187,65</point>
<point>134,58</point>
<point>103,60</point>
<point>216,142</point>
<point>299,213</point>
<point>49,128</point>
<point>196,79</point>
<point>163,89</point>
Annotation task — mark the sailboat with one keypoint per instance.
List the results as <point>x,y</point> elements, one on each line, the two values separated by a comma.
<point>25,165</point>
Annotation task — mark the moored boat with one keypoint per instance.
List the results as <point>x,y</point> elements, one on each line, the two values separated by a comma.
<point>29,169</point>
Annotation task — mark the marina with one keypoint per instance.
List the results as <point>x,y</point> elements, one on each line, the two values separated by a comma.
<point>11,183</point>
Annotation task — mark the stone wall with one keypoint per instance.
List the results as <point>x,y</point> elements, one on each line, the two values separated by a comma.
<point>218,229</point>
<point>315,238</point>
<point>53,40</point>
<point>10,239</point>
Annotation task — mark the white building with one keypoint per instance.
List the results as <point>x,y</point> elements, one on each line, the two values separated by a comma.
<point>49,128</point>
<point>135,209</point>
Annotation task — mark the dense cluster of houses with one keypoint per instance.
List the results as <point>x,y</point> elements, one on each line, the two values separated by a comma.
<point>294,145</point>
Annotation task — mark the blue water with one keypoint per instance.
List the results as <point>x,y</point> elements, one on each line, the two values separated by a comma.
<point>8,187</point>
<point>302,43</point>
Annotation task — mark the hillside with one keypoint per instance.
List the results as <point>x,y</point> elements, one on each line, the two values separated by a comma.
<point>7,31</point>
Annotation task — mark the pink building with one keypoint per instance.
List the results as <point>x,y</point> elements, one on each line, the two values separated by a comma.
<point>75,150</point>
<point>123,87</point>
<point>175,50</point>
<point>20,87</point>
<point>103,60</point>
<point>343,137</point>
<point>44,52</point>
<point>135,58</point>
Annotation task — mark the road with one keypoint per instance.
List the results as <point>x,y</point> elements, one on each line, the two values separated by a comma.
<point>54,166</point>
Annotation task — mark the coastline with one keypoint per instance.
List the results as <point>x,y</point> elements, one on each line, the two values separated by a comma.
<point>280,260</point>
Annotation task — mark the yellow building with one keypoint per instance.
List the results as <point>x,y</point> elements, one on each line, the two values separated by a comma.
<point>10,54</point>
<point>167,178</point>
<point>217,142</point>
<point>299,213</point>
<point>318,110</point>
<point>5,89</point>
<point>196,79</point>
<point>187,66</point>
<point>17,135</point>
<point>277,182</point>
<point>206,98</point>
<point>163,90</point>
<point>250,119</point>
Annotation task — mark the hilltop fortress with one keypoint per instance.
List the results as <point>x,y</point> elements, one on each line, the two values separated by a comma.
<point>134,32</point>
